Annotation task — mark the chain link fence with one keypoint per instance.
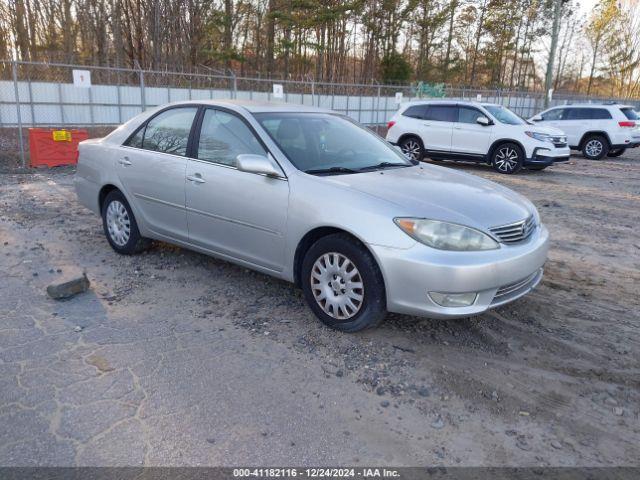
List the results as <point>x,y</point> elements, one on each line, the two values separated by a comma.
<point>45,95</point>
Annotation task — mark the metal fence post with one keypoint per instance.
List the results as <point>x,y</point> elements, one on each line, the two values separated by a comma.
<point>143,100</point>
<point>14,69</point>
<point>378,107</point>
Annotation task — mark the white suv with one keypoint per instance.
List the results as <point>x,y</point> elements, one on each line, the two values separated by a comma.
<point>457,130</point>
<point>597,130</point>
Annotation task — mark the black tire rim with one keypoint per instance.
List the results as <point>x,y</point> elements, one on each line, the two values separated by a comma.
<point>506,159</point>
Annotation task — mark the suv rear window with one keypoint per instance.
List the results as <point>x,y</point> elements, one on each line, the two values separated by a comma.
<point>630,113</point>
<point>442,113</point>
<point>415,111</point>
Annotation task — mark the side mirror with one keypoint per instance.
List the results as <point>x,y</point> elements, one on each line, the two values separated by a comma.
<point>536,118</point>
<point>484,121</point>
<point>248,162</point>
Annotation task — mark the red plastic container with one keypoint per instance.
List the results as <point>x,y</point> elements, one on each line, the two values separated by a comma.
<point>52,147</point>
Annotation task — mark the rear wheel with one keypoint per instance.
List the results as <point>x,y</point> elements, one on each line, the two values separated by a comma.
<point>412,148</point>
<point>507,158</point>
<point>342,284</point>
<point>595,147</point>
<point>120,225</point>
<point>616,152</point>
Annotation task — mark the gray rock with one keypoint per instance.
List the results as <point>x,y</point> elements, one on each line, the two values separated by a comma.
<point>618,411</point>
<point>384,403</point>
<point>67,288</point>
<point>556,444</point>
<point>438,423</point>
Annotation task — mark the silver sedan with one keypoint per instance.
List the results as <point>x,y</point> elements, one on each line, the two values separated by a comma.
<point>309,196</point>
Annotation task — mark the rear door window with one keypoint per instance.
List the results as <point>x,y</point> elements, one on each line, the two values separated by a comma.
<point>442,113</point>
<point>599,114</point>
<point>168,132</point>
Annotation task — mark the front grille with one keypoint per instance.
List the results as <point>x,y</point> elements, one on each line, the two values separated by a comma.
<point>515,232</point>
<point>516,289</point>
<point>559,141</point>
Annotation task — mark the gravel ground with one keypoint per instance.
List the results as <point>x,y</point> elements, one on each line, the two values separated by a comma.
<point>174,358</point>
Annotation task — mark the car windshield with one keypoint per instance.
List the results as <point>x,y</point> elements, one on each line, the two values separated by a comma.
<point>504,115</point>
<point>322,143</point>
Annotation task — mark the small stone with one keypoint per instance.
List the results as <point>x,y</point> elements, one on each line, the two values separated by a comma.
<point>424,392</point>
<point>35,274</point>
<point>211,440</point>
<point>611,401</point>
<point>68,288</point>
<point>523,413</point>
<point>438,423</point>
<point>618,411</point>
<point>380,390</point>
<point>384,403</point>
<point>556,444</point>
<point>78,328</point>
<point>339,373</point>
<point>494,396</point>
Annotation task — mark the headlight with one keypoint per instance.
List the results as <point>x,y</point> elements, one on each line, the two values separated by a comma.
<point>543,137</point>
<point>446,236</point>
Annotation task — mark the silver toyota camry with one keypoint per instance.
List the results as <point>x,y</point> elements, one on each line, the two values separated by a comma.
<point>309,196</point>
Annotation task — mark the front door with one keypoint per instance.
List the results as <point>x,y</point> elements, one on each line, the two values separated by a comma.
<point>151,168</point>
<point>237,214</point>
<point>469,137</point>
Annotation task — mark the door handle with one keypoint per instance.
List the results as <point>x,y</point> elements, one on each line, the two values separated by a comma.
<point>124,161</point>
<point>426,124</point>
<point>458,128</point>
<point>197,178</point>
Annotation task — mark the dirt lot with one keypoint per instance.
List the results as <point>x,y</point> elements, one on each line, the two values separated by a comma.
<point>174,358</point>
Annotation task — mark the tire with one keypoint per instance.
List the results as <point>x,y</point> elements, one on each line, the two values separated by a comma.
<point>120,225</point>
<point>595,147</point>
<point>325,275</point>
<point>507,158</point>
<point>616,152</point>
<point>412,148</point>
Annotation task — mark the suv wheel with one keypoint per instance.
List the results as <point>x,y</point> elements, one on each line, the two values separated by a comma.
<point>507,158</point>
<point>412,148</point>
<point>120,225</point>
<point>616,152</point>
<point>595,147</point>
<point>342,284</point>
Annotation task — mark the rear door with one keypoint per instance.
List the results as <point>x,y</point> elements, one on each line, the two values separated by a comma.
<point>437,127</point>
<point>578,121</point>
<point>151,167</point>
<point>468,135</point>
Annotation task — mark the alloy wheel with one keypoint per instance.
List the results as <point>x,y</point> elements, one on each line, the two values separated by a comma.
<point>118,223</point>
<point>593,148</point>
<point>337,286</point>
<point>411,149</point>
<point>506,160</point>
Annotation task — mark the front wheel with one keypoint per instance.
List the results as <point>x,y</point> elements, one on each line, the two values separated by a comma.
<point>616,152</point>
<point>342,284</point>
<point>595,147</point>
<point>412,148</point>
<point>507,158</point>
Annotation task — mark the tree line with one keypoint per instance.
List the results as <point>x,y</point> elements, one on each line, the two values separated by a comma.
<point>479,43</point>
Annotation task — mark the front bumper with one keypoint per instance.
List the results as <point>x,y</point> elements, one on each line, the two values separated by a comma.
<point>497,276</point>
<point>548,155</point>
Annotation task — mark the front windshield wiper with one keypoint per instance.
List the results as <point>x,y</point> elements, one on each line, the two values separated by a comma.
<point>383,165</point>
<point>331,170</point>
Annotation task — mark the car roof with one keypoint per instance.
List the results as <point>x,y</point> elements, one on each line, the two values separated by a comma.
<point>451,101</point>
<point>593,105</point>
<point>255,106</point>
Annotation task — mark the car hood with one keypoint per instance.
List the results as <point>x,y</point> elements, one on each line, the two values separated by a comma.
<point>547,130</point>
<point>439,193</point>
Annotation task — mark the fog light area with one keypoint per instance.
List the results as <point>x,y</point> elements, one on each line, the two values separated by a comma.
<point>453,299</point>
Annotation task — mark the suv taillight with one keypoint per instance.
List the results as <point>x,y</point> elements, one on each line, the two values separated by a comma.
<point>627,124</point>
<point>390,124</point>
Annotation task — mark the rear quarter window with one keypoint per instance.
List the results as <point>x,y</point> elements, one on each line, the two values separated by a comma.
<point>415,111</point>
<point>630,113</point>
